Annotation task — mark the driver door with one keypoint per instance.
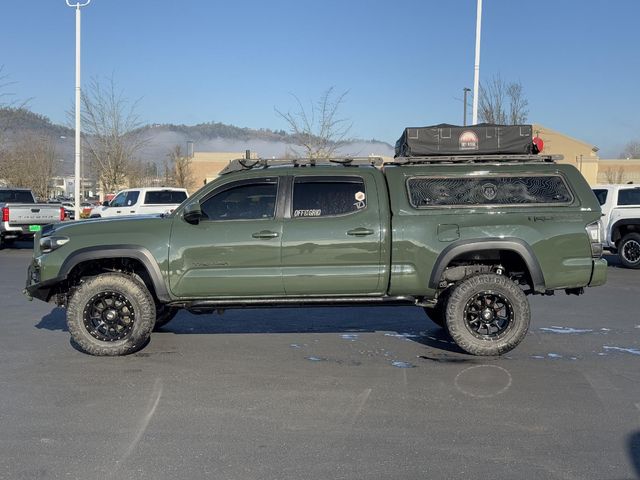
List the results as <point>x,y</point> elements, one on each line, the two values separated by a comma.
<point>234,251</point>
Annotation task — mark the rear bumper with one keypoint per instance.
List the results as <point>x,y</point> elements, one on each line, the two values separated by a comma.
<point>15,231</point>
<point>599,274</point>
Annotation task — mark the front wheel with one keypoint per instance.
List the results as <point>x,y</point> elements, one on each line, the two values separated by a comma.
<point>629,250</point>
<point>111,314</point>
<point>487,314</point>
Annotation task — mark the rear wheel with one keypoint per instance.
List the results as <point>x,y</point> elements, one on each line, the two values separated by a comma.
<point>111,314</point>
<point>629,249</point>
<point>487,314</point>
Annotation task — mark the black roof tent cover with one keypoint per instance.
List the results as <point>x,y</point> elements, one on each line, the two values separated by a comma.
<point>480,139</point>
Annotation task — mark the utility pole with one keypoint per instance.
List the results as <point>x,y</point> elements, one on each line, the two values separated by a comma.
<point>76,187</point>
<point>476,74</point>
<point>465,90</point>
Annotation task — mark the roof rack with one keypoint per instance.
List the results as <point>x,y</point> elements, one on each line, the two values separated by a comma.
<point>248,164</point>
<point>501,158</point>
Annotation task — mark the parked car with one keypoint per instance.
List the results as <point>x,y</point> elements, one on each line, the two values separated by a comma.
<point>22,216</point>
<point>465,239</point>
<point>141,201</point>
<point>621,221</point>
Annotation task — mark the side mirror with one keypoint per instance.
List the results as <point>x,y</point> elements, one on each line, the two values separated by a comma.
<point>192,213</point>
<point>105,203</point>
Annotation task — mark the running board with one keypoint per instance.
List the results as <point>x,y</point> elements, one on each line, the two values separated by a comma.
<point>201,306</point>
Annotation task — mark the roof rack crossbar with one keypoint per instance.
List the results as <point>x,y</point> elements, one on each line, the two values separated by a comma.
<point>247,164</point>
<point>502,158</point>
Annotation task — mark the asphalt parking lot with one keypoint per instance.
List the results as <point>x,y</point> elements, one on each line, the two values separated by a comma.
<point>333,393</point>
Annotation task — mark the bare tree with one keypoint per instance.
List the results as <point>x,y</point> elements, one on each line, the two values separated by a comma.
<point>319,130</point>
<point>112,134</point>
<point>30,163</point>
<point>181,166</point>
<point>142,174</point>
<point>614,175</point>
<point>502,103</point>
<point>631,150</point>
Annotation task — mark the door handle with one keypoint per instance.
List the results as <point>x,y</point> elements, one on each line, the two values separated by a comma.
<point>118,211</point>
<point>360,232</point>
<point>265,234</point>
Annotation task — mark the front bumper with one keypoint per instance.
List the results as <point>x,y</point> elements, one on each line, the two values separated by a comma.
<point>36,288</point>
<point>599,274</point>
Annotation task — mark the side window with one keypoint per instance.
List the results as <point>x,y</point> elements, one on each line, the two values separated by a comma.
<point>330,196</point>
<point>601,195</point>
<point>629,196</point>
<point>427,192</point>
<point>119,200</point>
<point>132,197</point>
<point>243,202</point>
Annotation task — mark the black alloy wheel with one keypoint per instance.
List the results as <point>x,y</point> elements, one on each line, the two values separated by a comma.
<point>488,315</point>
<point>109,316</point>
<point>629,250</point>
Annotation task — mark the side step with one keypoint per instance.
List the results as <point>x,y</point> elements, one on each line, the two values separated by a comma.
<point>204,306</point>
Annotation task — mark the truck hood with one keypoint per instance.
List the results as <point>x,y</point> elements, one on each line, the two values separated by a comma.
<point>102,225</point>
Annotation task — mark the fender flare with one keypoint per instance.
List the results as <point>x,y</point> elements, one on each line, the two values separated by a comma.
<point>515,245</point>
<point>623,222</point>
<point>119,251</point>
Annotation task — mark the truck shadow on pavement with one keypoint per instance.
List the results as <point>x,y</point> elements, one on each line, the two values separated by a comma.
<point>404,323</point>
<point>633,443</point>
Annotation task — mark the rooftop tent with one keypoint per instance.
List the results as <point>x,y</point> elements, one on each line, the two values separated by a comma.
<point>481,139</point>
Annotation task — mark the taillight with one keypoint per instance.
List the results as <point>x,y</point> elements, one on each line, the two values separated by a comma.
<point>5,214</point>
<point>594,232</point>
<point>62,215</point>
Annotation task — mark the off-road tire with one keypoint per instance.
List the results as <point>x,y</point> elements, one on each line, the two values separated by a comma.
<point>164,315</point>
<point>462,303</point>
<point>437,313</point>
<point>628,249</point>
<point>114,284</point>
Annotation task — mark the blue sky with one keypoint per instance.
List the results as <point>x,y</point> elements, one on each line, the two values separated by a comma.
<point>404,63</point>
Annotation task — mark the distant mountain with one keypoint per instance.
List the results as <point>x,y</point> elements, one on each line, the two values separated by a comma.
<point>161,138</point>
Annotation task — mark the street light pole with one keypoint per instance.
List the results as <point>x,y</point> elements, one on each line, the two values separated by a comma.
<point>476,74</point>
<point>465,90</point>
<point>76,187</point>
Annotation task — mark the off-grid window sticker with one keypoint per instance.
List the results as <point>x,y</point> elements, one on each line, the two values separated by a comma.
<point>317,197</point>
<point>164,197</point>
<point>244,202</point>
<point>427,192</point>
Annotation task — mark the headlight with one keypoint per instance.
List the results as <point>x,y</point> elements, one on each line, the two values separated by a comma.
<point>49,244</point>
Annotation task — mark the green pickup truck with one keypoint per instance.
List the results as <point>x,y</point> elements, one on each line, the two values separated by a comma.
<point>465,237</point>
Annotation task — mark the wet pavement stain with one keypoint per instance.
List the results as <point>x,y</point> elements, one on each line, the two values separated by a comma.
<point>554,329</point>
<point>399,364</point>
<point>632,351</point>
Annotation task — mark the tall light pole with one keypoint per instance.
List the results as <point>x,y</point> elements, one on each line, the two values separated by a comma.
<point>465,90</point>
<point>76,187</point>
<point>476,73</point>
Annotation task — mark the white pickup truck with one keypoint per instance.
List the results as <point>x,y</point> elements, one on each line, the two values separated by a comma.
<point>141,201</point>
<point>21,216</point>
<point>621,221</point>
